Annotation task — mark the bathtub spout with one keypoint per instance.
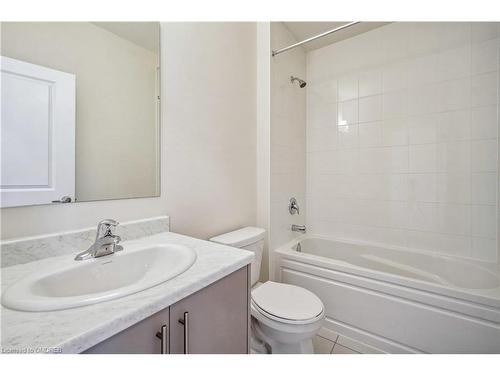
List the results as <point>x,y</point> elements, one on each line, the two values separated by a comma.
<point>298,228</point>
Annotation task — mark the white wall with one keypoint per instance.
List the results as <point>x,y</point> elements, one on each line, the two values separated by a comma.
<point>402,130</point>
<point>288,119</point>
<point>115,90</point>
<point>263,94</point>
<point>210,121</point>
<point>208,141</point>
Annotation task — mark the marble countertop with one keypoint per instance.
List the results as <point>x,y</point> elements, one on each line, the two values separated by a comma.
<point>75,330</point>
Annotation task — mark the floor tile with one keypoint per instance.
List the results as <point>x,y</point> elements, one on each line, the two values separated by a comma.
<point>328,334</point>
<point>339,349</point>
<point>322,345</point>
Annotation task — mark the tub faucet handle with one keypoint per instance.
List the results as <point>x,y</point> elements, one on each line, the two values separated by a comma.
<point>293,207</point>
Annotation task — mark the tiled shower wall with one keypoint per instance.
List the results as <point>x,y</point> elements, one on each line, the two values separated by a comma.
<point>402,126</point>
<point>288,137</point>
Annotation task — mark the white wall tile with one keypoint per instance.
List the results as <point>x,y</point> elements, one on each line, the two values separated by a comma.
<point>395,77</point>
<point>348,112</point>
<point>454,187</point>
<point>371,160</point>
<point>370,134</point>
<point>396,187</point>
<point>423,187</point>
<point>370,108</point>
<point>484,188</point>
<point>484,248</point>
<point>484,221</point>
<point>454,94</point>
<point>348,161</point>
<point>319,162</point>
<point>484,155</point>
<point>370,186</point>
<point>485,57</point>
<point>422,129</point>
<point>423,70</point>
<point>395,132</point>
<point>424,37</point>
<point>348,88</point>
<point>454,63</point>
<point>454,125</point>
<point>424,216</point>
<point>415,158</point>
<point>453,34</point>
<point>423,158</point>
<point>484,122</point>
<point>381,186</point>
<point>322,93</point>
<point>396,159</point>
<point>425,99</point>
<point>441,243</point>
<point>455,219</point>
<point>348,136</point>
<point>395,104</point>
<point>394,41</point>
<point>383,160</point>
<point>286,186</point>
<point>484,89</point>
<point>456,245</point>
<point>454,156</point>
<point>370,83</point>
<point>322,115</point>
<point>322,139</point>
<point>482,31</point>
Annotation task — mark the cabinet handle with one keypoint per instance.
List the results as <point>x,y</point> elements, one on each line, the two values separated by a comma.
<point>185,323</point>
<point>163,336</point>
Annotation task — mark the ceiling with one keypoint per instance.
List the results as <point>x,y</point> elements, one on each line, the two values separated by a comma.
<point>304,30</point>
<point>145,34</point>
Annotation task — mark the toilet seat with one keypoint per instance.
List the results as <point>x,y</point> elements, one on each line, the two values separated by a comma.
<point>285,303</point>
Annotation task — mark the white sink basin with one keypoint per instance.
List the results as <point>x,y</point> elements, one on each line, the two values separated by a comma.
<point>71,283</point>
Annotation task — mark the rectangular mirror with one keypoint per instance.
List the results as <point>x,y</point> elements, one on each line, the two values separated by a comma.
<point>80,111</point>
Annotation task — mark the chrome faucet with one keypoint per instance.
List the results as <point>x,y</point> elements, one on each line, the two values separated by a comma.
<point>298,228</point>
<point>105,243</point>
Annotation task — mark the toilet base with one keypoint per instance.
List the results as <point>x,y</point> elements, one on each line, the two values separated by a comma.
<point>262,343</point>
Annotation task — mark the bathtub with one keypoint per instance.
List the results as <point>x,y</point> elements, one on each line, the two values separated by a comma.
<point>397,300</point>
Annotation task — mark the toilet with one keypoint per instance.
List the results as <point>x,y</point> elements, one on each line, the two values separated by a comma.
<point>285,317</point>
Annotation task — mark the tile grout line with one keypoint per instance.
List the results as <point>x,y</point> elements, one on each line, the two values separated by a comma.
<point>347,348</point>
<point>334,343</point>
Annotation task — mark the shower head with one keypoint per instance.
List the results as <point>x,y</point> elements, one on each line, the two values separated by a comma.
<point>301,82</point>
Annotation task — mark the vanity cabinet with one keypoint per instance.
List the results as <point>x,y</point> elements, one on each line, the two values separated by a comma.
<point>137,339</point>
<point>214,320</point>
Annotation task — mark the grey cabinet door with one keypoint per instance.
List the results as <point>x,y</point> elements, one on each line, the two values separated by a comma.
<point>218,318</point>
<point>137,339</point>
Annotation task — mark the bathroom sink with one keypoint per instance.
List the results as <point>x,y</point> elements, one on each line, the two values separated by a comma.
<point>71,283</point>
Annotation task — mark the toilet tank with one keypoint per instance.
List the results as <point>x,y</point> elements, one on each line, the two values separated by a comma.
<point>248,238</point>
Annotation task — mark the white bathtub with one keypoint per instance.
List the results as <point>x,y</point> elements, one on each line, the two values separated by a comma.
<point>398,300</point>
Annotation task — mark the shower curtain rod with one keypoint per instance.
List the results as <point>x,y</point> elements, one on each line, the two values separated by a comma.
<point>277,52</point>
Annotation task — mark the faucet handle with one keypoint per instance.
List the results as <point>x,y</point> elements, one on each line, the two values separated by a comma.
<point>111,222</point>
<point>107,224</point>
<point>293,207</point>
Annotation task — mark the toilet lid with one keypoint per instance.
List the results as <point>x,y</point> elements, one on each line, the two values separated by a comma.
<point>287,301</point>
